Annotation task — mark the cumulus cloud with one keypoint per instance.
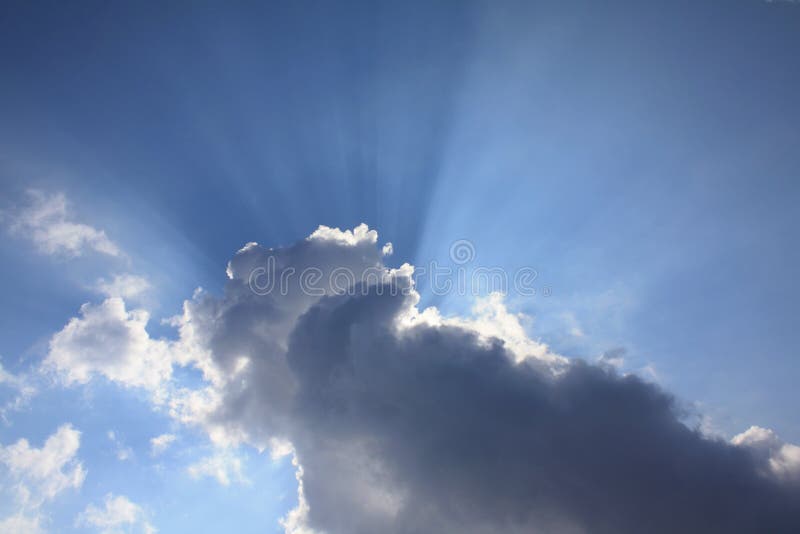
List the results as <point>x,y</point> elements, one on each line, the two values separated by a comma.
<point>118,514</point>
<point>47,222</point>
<point>782,459</point>
<point>358,235</point>
<point>38,475</point>
<point>110,341</point>
<point>492,321</point>
<point>403,421</point>
<point>460,425</point>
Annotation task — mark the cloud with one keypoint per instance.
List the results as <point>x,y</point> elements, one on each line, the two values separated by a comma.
<point>462,425</point>
<point>225,466</point>
<point>492,321</point>
<point>403,421</point>
<point>109,341</point>
<point>161,443</point>
<point>126,286</point>
<point>429,430</point>
<point>357,236</point>
<point>47,222</point>
<point>118,514</point>
<point>296,520</point>
<point>38,475</point>
<point>783,459</point>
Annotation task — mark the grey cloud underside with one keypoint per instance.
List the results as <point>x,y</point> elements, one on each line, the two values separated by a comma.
<point>429,430</point>
<point>470,442</point>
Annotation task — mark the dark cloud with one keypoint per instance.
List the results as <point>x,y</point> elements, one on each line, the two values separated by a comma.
<point>427,430</point>
<point>407,427</point>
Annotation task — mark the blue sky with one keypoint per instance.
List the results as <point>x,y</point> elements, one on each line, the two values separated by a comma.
<point>642,157</point>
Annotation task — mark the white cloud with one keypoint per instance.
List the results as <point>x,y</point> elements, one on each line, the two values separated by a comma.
<point>21,524</point>
<point>118,514</point>
<point>296,520</point>
<point>47,222</point>
<point>224,465</point>
<point>782,458</point>
<point>40,474</point>
<point>110,341</point>
<point>359,235</point>
<point>756,436</point>
<point>159,444</point>
<point>126,286</point>
<point>491,320</point>
<point>280,448</point>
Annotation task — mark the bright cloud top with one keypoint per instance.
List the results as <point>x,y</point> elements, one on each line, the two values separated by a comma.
<point>782,458</point>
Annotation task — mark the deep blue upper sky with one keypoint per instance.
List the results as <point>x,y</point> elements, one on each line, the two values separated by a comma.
<point>643,156</point>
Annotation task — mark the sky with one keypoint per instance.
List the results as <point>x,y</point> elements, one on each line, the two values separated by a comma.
<point>630,168</point>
